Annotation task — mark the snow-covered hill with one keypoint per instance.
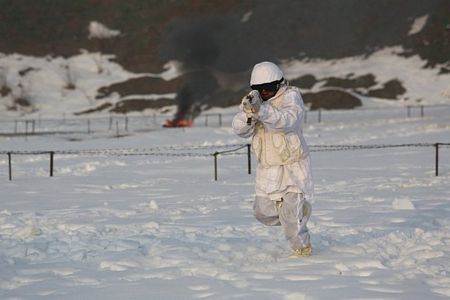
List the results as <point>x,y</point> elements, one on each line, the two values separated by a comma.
<point>49,86</point>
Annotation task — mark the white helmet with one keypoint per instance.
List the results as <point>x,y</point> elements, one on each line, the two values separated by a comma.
<point>265,72</point>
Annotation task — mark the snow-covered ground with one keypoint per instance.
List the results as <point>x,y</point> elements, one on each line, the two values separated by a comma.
<point>160,227</point>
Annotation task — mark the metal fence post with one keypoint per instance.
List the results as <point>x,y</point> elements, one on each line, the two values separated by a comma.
<point>220,120</point>
<point>436,166</point>
<point>9,166</point>
<point>215,165</point>
<point>320,115</point>
<point>249,159</point>
<point>52,154</point>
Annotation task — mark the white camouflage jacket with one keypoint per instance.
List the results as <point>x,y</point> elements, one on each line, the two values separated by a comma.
<point>278,143</point>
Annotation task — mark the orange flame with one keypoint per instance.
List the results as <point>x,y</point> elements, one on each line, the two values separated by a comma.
<point>179,123</point>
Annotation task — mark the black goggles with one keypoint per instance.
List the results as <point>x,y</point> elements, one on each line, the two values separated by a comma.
<point>269,87</point>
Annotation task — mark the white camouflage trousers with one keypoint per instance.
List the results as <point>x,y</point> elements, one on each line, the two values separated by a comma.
<point>292,212</point>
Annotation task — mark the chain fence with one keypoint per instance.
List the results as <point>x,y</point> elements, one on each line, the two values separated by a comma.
<point>120,125</point>
<point>198,151</point>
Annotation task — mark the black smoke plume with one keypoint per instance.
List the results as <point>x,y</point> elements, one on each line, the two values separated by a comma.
<point>193,43</point>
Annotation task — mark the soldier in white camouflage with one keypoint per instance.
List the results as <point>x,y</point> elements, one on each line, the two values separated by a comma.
<point>272,115</point>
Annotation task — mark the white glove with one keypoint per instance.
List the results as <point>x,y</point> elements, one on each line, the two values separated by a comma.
<point>251,103</point>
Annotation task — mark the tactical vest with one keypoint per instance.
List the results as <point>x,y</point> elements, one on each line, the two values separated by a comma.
<point>276,148</point>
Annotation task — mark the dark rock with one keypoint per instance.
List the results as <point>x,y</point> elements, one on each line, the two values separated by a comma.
<point>331,99</point>
<point>22,102</point>
<point>4,91</point>
<point>304,82</point>
<point>444,70</point>
<point>99,108</point>
<point>26,71</point>
<point>363,81</point>
<point>141,86</point>
<point>131,105</point>
<point>390,90</point>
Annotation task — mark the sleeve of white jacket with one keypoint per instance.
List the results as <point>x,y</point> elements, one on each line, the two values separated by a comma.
<point>285,119</point>
<point>240,126</point>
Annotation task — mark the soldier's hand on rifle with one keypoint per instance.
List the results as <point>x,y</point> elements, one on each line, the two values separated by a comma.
<point>251,103</point>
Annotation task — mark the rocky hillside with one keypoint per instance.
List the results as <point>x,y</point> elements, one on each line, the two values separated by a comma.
<point>217,42</point>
